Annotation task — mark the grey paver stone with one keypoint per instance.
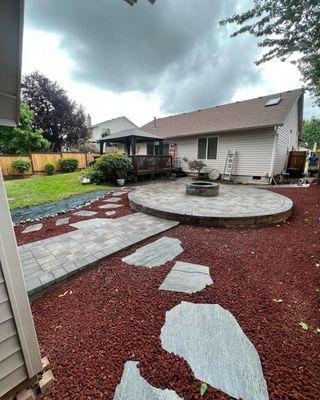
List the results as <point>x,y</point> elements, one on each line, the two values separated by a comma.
<point>187,278</point>
<point>90,223</point>
<point>32,228</point>
<point>212,342</point>
<point>62,221</point>
<point>112,200</point>
<point>110,213</point>
<point>156,253</point>
<point>110,206</point>
<point>133,387</point>
<point>85,213</point>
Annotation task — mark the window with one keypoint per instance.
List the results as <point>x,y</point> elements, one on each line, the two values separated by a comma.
<point>202,148</point>
<point>207,148</point>
<point>150,148</point>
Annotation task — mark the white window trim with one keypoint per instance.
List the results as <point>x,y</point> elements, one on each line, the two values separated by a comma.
<point>207,137</point>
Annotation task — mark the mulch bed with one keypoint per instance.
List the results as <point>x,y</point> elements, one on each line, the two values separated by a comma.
<point>50,229</point>
<point>115,311</point>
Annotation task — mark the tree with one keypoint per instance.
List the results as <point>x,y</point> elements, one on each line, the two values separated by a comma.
<point>287,28</point>
<point>63,122</point>
<point>311,132</point>
<point>24,138</point>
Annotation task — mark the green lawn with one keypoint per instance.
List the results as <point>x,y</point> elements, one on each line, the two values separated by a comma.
<point>43,189</point>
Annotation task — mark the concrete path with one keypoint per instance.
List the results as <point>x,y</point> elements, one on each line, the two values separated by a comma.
<point>50,260</point>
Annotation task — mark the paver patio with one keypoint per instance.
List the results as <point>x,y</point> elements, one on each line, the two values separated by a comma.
<point>50,260</point>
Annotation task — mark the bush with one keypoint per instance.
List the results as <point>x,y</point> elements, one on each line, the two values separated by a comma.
<point>49,168</point>
<point>196,165</point>
<point>109,168</point>
<point>93,174</point>
<point>21,166</point>
<point>69,164</point>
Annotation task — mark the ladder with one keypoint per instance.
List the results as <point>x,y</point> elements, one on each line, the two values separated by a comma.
<point>229,164</point>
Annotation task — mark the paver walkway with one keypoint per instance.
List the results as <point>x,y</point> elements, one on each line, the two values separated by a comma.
<point>50,260</point>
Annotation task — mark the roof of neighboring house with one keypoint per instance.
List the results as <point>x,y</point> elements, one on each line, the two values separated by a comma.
<point>113,120</point>
<point>248,114</point>
<point>139,133</point>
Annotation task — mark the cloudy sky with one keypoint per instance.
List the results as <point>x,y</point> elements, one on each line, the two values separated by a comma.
<point>146,61</point>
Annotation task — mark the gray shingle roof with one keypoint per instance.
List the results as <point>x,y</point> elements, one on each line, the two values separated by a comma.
<point>240,115</point>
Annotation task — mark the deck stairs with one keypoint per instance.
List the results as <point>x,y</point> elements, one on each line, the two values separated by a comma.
<point>229,165</point>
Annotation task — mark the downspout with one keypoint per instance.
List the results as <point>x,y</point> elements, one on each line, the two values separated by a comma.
<point>273,156</point>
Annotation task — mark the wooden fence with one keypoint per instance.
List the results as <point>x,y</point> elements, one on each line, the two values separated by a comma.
<point>297,160</point>
<point>39,160</point>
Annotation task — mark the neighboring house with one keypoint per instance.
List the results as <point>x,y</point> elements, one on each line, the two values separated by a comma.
<point>109,127</point>
<point>20,360</point>
<point>262,131</point>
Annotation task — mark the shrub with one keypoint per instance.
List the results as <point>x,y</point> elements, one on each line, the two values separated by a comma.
<point>110,167</point>
<point>94,175</point>
<point>69,164</point>
<point>21,166</point>
<point>196,165</point>
<point>49,168</point>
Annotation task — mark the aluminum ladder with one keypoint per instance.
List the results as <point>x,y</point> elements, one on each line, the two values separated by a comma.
<point>229,164</point>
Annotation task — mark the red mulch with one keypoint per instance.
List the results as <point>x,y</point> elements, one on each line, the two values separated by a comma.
<point>50,229</point>
<point>115,311</point>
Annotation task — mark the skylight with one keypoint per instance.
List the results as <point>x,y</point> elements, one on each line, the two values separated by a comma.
<point>273,102</point>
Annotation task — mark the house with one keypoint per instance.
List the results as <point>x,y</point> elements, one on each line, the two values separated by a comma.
<point>20,361</point>
<point>110,127</point>
<point>262,131</point>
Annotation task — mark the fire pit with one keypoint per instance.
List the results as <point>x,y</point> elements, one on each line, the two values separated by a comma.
<point>206,189</point>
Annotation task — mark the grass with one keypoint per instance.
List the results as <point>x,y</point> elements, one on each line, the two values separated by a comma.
<point>44,189</point>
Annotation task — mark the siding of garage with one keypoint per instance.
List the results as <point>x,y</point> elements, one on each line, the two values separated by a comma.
<point>254,151</point>
<point>19,351</point>
<point>12,365</point>
<point>287,139</point>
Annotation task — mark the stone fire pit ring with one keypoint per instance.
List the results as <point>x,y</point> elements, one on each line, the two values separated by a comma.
<point>205,189</point>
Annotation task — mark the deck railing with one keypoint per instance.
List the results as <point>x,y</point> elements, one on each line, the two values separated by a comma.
<point>144,165</point>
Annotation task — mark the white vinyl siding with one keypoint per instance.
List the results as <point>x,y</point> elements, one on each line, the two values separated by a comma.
<point>12,365</point>
<point>254,151</point>
<point>287,139</point>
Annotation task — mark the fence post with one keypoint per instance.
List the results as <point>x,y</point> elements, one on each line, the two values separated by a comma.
<point>31,161</point>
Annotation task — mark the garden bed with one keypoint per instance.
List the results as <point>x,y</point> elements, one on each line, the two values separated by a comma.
<point>115,312</point>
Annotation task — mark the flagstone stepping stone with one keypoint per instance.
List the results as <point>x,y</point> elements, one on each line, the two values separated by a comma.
<point>62,221</point>
<point>120,193</point>
<point>112,200</point>
<point>110,212</point>
<point>187,278</point>
<point>32,228</point>
<point>106,206</point>
<point>90,223</point>
<point>133,387</point>
<point>212,342</point>
<point>85,213</point>
<point>156,253</point>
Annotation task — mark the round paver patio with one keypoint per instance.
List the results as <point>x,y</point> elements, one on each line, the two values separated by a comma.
<point>236,205</point>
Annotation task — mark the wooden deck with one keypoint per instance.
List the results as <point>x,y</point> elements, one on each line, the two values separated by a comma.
<point>150,165</point>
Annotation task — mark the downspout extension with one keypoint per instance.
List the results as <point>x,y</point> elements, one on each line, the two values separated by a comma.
<point>273,156</point>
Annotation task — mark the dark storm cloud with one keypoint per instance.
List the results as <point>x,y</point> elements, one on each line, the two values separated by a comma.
<point>175,48</point>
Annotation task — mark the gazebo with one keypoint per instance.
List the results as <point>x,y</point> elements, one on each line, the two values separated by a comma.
<point>151,160</point>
